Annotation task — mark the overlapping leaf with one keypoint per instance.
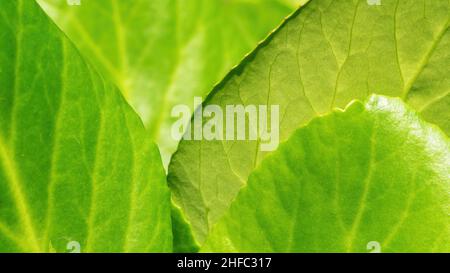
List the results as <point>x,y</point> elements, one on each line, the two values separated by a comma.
<point>374,175</point>
<point>325,55</point>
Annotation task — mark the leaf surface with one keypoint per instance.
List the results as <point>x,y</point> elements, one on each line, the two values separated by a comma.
<point>374,175</point>
<point>163,53</point>
<point>183,239</point>
<point>77,171</point>
<point>324,56</point>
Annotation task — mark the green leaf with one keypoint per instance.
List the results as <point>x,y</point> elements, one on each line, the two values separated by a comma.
<point>375,174</point>
<point>163,53</point>
<point>77,171</point>
<point>183,239</point>
<point>325,55</point>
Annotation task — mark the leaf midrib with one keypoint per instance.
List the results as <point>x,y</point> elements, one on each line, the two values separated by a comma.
<point>423,64</point>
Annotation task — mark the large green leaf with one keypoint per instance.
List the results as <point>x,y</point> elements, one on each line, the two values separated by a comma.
<point>163,53</point>
<point>326,54</point>
<point>76,168</point>
<point>373,175</point>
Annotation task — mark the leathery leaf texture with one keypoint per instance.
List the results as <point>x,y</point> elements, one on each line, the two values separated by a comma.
<point>324,56</point>
<point>76,168</point>
<point>374,174</point>
<point>161,53</point>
